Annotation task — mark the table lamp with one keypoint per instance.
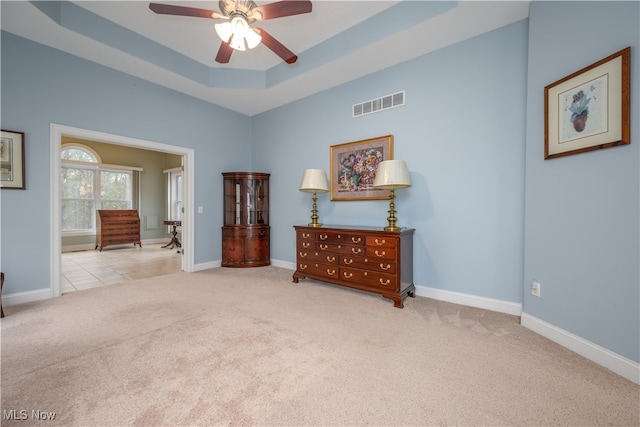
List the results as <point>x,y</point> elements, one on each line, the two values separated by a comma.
<point>392,174</point>
<point>314,181</point>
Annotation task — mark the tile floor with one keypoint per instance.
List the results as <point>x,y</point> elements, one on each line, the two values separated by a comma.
<point>91,269</point>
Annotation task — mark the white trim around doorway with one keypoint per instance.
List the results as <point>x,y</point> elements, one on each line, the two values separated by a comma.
<point>188,155</point>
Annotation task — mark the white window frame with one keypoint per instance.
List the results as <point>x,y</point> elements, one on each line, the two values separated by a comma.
<point>97,166</point>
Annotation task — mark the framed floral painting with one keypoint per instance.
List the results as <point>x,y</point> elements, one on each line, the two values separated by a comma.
<point>589,109</point>
<point>354,166</point>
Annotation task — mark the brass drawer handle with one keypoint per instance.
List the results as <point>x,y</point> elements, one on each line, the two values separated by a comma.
<point>356,239</point>
<point>305,235</point>
<point>347,275</point>
<point>356,250</point>
<point>324,236</point>
<point>380,242</point>
<point>331,258</point>
<point>348,261</point>
<point>305,245</point>
<point>383,267</point>
<point>303,267</point>
<point>331,272</point>
<point>302,254</point>
<point>324,247</point>
<point>385,282</point>
<point>382,254</point>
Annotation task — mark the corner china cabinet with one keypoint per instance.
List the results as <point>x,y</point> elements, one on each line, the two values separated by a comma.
<point>245,233</point>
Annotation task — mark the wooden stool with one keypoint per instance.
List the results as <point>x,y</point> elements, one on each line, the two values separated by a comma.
<point>1,284</point>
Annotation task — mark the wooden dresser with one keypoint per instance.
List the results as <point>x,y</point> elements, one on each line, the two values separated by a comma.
<point>117,227</point>
<point>369,259</point>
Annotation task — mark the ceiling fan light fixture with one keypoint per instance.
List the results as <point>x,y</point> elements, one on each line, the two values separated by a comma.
<point>236,32</point>
<point>252,38</point>
<point>224,31</point>
<point>237,42</point>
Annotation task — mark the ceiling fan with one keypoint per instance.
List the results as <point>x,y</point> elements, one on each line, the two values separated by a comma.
<point>236,32</point>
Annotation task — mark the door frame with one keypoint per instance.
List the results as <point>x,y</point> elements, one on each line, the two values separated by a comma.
<point>57,131</point>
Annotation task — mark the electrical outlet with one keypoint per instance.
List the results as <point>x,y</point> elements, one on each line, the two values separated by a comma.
<point>535,288</point>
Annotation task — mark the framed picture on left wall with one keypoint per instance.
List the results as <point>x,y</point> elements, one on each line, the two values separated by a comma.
<point>12,160</point>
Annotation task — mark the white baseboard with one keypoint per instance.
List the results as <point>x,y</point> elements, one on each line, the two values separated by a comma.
<point>614,362</point>
<point>25,297</point>
<point>470,300</point>
<point>448,296</point>
<point>216,264</point>
<point>207,265</point>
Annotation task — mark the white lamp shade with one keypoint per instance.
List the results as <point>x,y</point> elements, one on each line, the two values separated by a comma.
<point>392,174</point>
<point>314,181</point>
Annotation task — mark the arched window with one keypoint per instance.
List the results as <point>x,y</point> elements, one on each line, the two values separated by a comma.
<point>88,185</point>
<point>79,153</point>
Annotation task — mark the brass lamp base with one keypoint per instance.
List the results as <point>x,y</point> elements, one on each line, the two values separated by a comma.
<point>392,214</point>
<point>314,213</point>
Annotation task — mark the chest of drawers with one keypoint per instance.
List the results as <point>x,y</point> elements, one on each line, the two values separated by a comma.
<point>368,259</point>
<point>117,227</point>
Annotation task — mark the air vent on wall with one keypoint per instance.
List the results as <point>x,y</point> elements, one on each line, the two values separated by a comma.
<point>378,104</point>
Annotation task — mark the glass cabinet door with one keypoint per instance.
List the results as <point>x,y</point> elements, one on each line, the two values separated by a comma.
<point>246,199</point>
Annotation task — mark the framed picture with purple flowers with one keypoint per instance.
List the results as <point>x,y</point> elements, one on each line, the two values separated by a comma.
<point>589,109</point>
<point>354,166</point>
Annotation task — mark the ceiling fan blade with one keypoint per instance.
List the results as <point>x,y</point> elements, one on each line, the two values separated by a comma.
<point>224,53</point>
<point>168,9</point>
<point>278,48</point>
<point>280,9</point>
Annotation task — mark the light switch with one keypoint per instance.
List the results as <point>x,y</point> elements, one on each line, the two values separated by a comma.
<point>200,209</point>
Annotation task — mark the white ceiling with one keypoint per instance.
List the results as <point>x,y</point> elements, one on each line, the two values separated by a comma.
<point>337,42</point>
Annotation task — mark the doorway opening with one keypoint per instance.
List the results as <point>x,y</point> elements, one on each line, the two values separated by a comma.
<point>57,132</point>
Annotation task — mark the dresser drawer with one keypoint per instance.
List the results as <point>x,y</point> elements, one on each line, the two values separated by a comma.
<point>381,241</point>
<point>315,256</point>
<point>381,265</point>
<point>347,238</point>
<point>365,263</point>
<point>305,245</point>
<point>318,269</point>
<point>354,261</point>
<point>328,247</point>
<point>368,278</point>
<point>381,253</point>
<point>352,250</point>
<point>305,236</point>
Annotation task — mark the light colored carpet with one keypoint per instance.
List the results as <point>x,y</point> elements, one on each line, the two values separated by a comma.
<point>249,347</point>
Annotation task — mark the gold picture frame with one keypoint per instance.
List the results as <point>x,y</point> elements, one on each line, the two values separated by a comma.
<point>589,109</point>
<point>12,174</point>
<point>353,168</point>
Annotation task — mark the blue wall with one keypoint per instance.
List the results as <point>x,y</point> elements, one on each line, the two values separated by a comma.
<point>41,85</point>
<point>489,212</point>
<point>582,211</point>
<point>461,133</point>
